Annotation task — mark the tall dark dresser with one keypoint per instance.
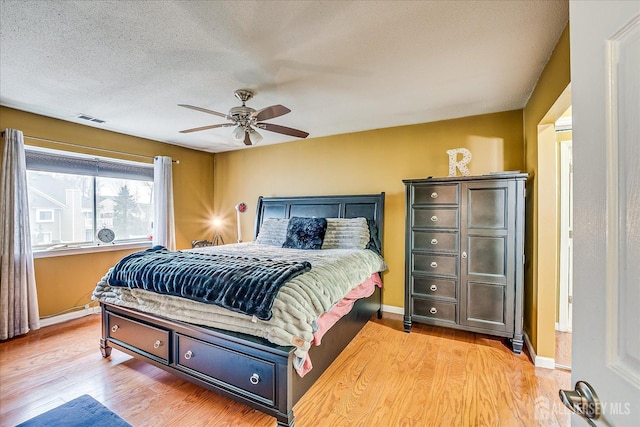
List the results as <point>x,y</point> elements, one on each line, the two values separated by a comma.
<point>465,254</point>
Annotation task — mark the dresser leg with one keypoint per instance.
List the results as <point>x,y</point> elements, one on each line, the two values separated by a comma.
<point>516,345</point>
<point>407,324</point>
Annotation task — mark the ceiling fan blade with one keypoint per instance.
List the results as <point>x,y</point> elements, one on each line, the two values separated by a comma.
<point>283,129</point>
<point>204,110</point>
<point>206,127</point>
<point>270,112</point>
<point>247,140</point>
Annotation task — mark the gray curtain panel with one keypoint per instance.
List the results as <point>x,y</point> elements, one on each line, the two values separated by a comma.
<point>164,232</point>
<point>18,299</point>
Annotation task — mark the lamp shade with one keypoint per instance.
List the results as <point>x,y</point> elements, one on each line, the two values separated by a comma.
<point>238,133</point>
<point>254,136</point>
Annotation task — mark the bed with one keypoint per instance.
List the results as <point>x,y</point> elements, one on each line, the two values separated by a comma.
<point>225,355</point>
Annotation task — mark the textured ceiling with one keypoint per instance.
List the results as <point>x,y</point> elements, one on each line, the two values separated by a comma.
<point>340,66</point>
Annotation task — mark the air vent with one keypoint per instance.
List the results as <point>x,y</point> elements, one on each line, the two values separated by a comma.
<point>89,118</point>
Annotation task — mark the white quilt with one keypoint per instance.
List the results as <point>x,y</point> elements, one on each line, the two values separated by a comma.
<point>333,274</point>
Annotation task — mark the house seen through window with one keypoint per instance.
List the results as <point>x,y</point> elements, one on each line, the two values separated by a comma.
<point>72,197</point>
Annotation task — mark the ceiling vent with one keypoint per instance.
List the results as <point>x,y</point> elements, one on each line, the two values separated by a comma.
<point>89,118</point>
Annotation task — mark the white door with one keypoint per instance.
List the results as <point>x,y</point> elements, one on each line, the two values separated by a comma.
<point>605,81</point>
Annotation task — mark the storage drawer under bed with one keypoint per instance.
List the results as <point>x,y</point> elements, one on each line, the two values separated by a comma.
<point>218,364</point>
<point>144,339</point>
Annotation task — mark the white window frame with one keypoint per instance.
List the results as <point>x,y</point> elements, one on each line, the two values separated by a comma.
<point>58,161</point>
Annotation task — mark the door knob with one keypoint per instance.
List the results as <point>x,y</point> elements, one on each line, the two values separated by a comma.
<point>583,401</point>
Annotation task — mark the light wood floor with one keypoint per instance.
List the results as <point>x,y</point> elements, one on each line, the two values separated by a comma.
<point>385,377</point>
<point>563,349</point>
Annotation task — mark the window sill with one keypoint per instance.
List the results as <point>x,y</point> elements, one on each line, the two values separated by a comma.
<point>90,249</point>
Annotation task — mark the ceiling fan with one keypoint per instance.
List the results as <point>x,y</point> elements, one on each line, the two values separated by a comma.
<point>246,120</point>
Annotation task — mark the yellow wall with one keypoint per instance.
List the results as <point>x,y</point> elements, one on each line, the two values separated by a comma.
<point>365,162</point>
<point>67,281</point>
<point>548,101</point>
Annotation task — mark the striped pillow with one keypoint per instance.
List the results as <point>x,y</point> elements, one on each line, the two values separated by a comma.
<point>346,233</point>
<point>273,232</point>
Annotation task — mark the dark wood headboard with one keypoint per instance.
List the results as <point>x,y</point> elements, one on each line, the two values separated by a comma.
<point>370,206</point>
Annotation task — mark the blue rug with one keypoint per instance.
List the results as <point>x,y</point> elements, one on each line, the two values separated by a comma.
<point>83,411</point>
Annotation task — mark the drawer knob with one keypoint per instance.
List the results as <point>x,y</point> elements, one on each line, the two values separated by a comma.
<point>114,328</point>
<point>433,310</point>
<point>434,241</point>
<point>434,264</point>
<point>188,355</point>
<point>157,344</point>
<point>255,379</point>
<point>433,288</point>
<point>434,218</point>
<point>434,195</point>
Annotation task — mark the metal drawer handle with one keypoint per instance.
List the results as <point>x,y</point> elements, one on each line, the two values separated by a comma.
<point>434,241</point>
<point>433,310</point>
<point>434,264</point>
<point>434,195</point>
<point>188,355</point>
<point>434,218</point>
<point>255,379</point>
<point>433,288</point>
<point>114,328</point>
<point>464,255</point>
<point>157,344</point>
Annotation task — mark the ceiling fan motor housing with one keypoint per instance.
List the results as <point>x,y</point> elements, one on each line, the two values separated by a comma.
<point>238,113</point>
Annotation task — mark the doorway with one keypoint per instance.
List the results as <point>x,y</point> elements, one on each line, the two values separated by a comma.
<point>564,138</point>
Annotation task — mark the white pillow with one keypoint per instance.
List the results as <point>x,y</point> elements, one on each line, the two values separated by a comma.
<point>346,233</point>
<point>273,232</point>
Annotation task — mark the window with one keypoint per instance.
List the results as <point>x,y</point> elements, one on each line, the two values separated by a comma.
<point>44,215</point>
<point>72,196</point>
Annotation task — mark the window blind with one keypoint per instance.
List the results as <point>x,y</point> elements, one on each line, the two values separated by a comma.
<point>60,163</point>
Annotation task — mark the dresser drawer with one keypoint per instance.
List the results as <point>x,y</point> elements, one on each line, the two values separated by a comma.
<point>429,286</point>
<point>217,364</point>
<point>443,265</point>
<point>435,241</point>
<point>435,194</point>
<point>435,309</point>
<point>139,337</point>
<point>435,217</point>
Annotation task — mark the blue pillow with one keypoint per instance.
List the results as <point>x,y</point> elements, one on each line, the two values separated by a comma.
<point>305,233</point>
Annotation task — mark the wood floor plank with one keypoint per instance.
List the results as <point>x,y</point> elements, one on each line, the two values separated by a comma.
<point>385,377</point>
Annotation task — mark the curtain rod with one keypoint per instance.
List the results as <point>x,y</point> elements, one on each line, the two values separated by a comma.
<point>88,147</point>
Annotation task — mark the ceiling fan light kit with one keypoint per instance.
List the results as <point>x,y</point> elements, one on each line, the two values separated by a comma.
<point>246,120</point>
<point>254,136</point>
<point>238,133</point>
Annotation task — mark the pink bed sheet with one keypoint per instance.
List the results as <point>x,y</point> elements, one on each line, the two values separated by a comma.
<point>344,306</point>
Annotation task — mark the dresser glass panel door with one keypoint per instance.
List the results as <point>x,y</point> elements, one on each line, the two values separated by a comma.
<point>487,298</point>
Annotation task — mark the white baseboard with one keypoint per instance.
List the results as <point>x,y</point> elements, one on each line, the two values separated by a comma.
<point>392,309</point>
<point>48,321</point>
<point>539,361</point>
